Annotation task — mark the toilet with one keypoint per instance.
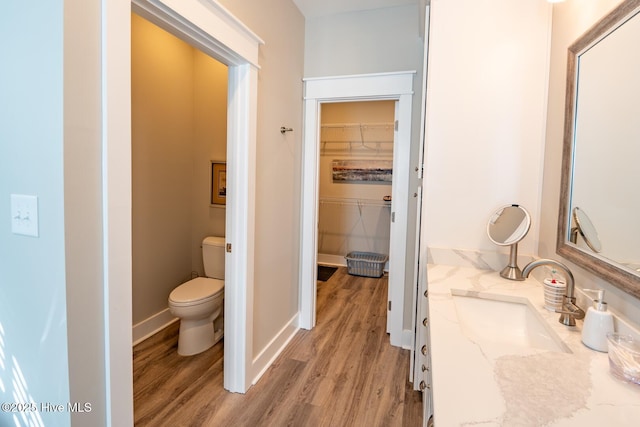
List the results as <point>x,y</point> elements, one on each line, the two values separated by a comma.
<point>199,303</point>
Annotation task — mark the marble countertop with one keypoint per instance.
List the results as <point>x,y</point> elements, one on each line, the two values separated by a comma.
<point>485,384</point>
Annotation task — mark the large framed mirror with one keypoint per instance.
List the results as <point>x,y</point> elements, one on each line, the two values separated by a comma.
<point>601,151</point>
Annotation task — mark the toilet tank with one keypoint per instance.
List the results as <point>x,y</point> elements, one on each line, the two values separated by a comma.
<point>213,257</point>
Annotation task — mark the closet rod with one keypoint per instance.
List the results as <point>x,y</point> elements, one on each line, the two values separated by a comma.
<point>354,202</point>
<point>379,125</point>
<point>335,141</point>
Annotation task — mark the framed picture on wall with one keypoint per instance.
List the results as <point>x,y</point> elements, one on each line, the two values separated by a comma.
<point>361,171</point>
<point>218,183</point>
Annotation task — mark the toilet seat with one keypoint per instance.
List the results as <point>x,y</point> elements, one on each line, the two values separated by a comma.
<point>196,291</point>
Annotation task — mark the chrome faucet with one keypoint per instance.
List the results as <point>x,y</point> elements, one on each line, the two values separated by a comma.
<point>570,311</point>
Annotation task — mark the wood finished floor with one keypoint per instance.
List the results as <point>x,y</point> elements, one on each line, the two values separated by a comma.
<point>342,373</point>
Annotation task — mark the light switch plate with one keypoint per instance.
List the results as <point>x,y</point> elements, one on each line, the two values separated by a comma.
<point>24,215</point>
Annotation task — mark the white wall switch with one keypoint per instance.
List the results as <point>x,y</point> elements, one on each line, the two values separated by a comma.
<point>24,215</point>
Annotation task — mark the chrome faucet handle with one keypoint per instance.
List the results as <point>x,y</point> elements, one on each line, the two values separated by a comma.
<point>570,311</point>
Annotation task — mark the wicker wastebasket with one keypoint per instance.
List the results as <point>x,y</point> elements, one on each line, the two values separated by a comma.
<point>367,264</point>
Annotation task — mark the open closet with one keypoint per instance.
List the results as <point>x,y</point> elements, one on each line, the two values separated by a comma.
<point>355,176</point>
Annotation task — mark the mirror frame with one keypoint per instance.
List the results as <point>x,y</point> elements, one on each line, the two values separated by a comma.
<point>606,269</point>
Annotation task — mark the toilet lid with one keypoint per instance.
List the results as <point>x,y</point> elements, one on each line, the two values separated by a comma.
<point>196,289</point>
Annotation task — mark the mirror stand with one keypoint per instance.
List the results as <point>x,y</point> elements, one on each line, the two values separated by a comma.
<point>573,235</point>
<point>506,227</point>
<point>512,271</point>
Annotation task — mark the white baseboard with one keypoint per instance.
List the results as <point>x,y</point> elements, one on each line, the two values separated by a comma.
<point>332,260</point>
<point>407,339</point>
<point>268,355</point>
<point>152,325</point>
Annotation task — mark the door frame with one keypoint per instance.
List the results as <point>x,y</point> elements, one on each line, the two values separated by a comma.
<point>211,28</point>
<point>365,87</point>
<point>198,26</point>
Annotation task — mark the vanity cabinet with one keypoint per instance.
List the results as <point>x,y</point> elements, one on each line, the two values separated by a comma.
<point>422,359</point>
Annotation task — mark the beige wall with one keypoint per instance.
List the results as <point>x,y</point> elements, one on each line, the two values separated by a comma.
<point>570,20</point>
<point>278,159</point>
<point>209,143</point>
<point>178,127</point>
<point>83,210</point>
<point>346,227</point>
<point>52,318</point>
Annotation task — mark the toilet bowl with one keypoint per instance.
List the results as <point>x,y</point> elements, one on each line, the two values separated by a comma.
<point>199,303</point>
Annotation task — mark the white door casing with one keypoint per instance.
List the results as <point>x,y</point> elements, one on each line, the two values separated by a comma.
<point>391,86</point>
<point>210,27</point>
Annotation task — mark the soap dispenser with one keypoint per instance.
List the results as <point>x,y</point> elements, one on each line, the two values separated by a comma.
<point>597,323</point>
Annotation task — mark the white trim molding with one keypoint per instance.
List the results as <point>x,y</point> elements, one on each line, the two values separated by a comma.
<point>392,86</point>
<point>152,325</point>
<point>207,24</point>
<point>408,340</point>
<point>265,359</point>
<point>380,85</point>
<point>240,227</point>
<point>116,210</point>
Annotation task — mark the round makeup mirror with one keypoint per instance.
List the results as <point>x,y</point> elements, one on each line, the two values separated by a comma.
<point>507,226</point>
<point>587,230</point>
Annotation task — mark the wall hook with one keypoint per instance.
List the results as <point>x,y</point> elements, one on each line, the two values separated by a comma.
<point>284,129</point>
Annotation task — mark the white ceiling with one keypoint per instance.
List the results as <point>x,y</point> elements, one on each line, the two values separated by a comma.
<point>315,8</point>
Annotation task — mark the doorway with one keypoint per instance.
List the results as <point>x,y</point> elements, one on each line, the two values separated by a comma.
<point>179,118</point>
<point>241,123</point>
<point>396,87</point>
<point>355,176</point>
<point>228,40</point>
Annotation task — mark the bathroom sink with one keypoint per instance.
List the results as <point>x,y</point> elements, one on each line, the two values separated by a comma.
<point>503,320</point>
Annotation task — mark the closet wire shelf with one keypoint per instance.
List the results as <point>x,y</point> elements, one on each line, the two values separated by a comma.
<point>342,201</point>
<point>357,137</point>
<point>366,264</point>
